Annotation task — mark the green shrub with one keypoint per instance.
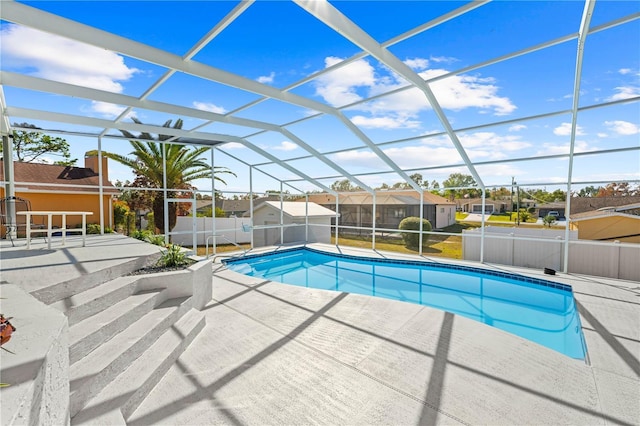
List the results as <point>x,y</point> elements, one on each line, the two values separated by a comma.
<point>411,239</point>
<point>120,212</point>
<point>150,223</point>
<point>93,228</point>
<point>140,235</point>
<point>173,256</point>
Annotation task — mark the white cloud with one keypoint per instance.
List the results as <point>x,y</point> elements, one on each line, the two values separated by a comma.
<point>417,63</point>
<point>360,79</point>
<point>266,79</point>
<point>624,92</point>
<point>555,149</point>
<point>565,130</point>
<point>602,135</point>
<point>445,59</point>
<point>386,123</point>
<point>68,61</point>
<point>493,142</point>
<point>622,127</point>
<point>205,106</point>
<point>109,110</point>
<point>285,146</point>
<point>339,87</point>
<point>624,71</point>
<point>517,127</point>
<point>232,145</point>
<point>436,151</point>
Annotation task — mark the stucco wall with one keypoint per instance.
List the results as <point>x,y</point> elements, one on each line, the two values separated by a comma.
<point>445,216</point>
<point>609,228</point>
<point>70,202</point>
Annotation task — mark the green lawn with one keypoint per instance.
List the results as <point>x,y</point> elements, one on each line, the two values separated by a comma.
<point>222,248</point>
<point>449,246</point>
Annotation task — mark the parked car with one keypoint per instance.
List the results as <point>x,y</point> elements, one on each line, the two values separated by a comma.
<point>554,213</point>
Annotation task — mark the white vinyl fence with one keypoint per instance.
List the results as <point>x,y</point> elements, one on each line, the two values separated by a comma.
<point>231,230</point>
<point>544,248</point>
<point>228,229</point>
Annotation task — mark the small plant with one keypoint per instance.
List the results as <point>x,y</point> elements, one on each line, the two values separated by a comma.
<point>524,215</point>
<point>412,239</point>
<point>157,240</point>
<point>140,235</point>
<point>173,256</point>
<point>549,220</point>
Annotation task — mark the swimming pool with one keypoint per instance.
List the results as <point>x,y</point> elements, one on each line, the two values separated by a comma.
<point>538,310</point>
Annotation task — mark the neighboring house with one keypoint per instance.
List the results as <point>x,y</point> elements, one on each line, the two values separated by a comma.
<point>48,187</point>
<point>474,205</point>
<point>356,208</point>
<point>586,204</point>
<point>544,209</point>
<point>293,213</point>
<point>620,223</point>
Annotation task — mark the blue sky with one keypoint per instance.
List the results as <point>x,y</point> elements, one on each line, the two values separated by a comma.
<point>277,43</point>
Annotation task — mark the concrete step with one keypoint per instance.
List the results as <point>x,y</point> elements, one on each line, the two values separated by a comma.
<point>94,331</point>
<point>92,373</point>
<point>129,389</point>
<point>86,281</point>
<point>90,302</point>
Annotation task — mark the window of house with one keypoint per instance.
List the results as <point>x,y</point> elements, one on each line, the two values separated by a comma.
<point>398,213</point>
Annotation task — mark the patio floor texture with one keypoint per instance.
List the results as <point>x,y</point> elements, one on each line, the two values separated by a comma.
<point>277,354</point>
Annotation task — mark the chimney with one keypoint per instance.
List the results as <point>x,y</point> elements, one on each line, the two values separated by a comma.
<point>91,162</point>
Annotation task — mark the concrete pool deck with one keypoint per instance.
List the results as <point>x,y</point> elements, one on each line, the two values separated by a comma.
<point>272,353</point>
<point>279,354</point>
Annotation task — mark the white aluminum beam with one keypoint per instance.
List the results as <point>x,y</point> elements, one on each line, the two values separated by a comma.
<point>34,83</point>
<point>31,17</point>
<point>231,16</point>
<point>333,18</point>
<point>582,38</point>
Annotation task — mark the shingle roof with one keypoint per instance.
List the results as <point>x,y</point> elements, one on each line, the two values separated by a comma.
<point>382,197</point>
<point>55,175</point>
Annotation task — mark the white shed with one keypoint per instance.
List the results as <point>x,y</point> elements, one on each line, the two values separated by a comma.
<point>294,213</point>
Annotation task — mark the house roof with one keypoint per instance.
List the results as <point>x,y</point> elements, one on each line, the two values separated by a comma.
<point>296,209</point>
<point>462,201</point>
<point>629,210</point>
<point>38,177</point>
<point>382,197</point>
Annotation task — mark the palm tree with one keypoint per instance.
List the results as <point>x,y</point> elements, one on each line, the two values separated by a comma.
<point>183,165</point>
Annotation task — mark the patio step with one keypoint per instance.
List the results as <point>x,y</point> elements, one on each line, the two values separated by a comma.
<point>66,289</point>
<point>87,335</point>
<point>90,302</point>
<point>91,374</point>
<point>119,399</point>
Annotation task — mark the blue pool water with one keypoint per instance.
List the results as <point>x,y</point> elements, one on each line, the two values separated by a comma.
<point>538,310</point>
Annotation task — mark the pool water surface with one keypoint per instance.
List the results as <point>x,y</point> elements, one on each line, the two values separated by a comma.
<point>538,310</point>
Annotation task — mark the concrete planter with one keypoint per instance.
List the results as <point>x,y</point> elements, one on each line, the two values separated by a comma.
<point>195,281</point>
